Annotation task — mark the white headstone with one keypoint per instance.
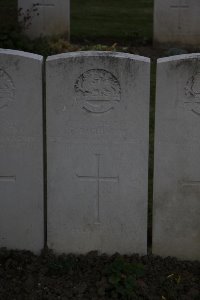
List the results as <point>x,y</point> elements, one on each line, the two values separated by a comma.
<point>177,22</point>
<point>97,121</point>
<point>176,208</point>
<point>21,153</point>
<point>47,17</point>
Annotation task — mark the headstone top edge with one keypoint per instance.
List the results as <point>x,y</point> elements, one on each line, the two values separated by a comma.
<point>21,54</point>
<point>178,58</point>
<point>98,54</point>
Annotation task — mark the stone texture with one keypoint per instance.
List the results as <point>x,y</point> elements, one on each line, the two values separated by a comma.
<point>176,208</point>
<point>47,17</point>
<point>21,154</point>
<point>97,126</point>
<point>177,22</point>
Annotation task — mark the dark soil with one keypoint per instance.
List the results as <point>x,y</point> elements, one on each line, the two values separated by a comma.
<point>25,276</point>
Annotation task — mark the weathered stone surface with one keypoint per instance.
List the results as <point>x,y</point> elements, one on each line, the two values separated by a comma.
<point>21,171</point>
<point>97,126</point>
<point>176,208</point>
<point>47,17</point>
<point>177,22</point>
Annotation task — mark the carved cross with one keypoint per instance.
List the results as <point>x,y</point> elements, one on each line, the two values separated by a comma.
<point>98,179</point>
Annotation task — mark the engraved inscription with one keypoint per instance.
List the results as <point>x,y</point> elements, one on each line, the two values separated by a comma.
<point>97,91</point>
<point>192,187</point>
<point>86,131</point>
<point>6,89</point>
<point>98,179</point>
<point>190,183</point>
<point>18,139</point>
<point>179,4</point>
<point>45,4</point>
<point>192,91</point>
<point>104,130</point>
<point>8,179</point>
<point>16,142</point>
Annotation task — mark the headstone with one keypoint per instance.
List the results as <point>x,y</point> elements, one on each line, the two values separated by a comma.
<point>21,153</point>
<point>97,127</point>
<point>45,17</point>
<point>176,208</point>
<point>177,22</point>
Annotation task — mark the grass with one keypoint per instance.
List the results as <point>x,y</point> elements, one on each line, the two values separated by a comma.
<point>112,19</point>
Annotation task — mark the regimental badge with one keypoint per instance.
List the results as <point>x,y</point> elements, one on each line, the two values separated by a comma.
<point>6,89</point>
<point>97,91</point>
<point>192,91</point>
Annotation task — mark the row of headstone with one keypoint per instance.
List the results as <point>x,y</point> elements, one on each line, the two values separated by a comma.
<point>97,153</point>
<point>176,22</point>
